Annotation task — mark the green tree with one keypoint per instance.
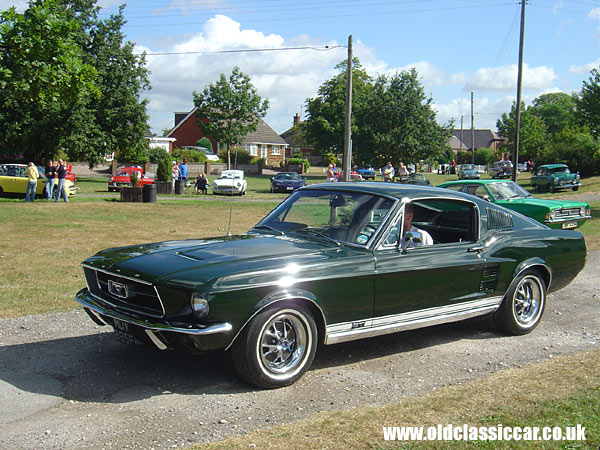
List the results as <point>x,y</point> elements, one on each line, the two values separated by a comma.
<point>484,156</point>
<point>533,136</point>
<point>575,147</point>
<point>588,103</point>
<point>43,78</point>
<point>402,121</point>
<point>557,110</point>
<point>205,142</point>
<point>326,114</point>
<point>229,109</point>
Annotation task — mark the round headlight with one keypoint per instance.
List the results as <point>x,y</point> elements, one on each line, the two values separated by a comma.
<point>553,214</point>
<point>582,211</point>
<point>199,306</point>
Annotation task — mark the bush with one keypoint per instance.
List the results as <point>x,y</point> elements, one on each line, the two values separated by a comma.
<point>578,149</point>
<point>180,154</point>
<point>258,161</point>
<point>163,173</point>
<point>243,157</point>
<point>484,156</point>
<point>156,154</point>
<point>135,178</point>
<point>299,161</point>
<point>205,142</point>
<point>329,158</point>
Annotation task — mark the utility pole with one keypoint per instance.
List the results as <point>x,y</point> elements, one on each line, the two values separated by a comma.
<point>472,132</point>
<point>348,135</point>
<point>515,156</point>
<point>461,135</point>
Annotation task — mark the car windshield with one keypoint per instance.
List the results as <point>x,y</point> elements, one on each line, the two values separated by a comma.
<point>288,176</point>
<point>468,167</point>
<point>417,176</point>
<point>230,175</point>
<point>507,190</point>
<point>559,170</point>
<point>345,217</point>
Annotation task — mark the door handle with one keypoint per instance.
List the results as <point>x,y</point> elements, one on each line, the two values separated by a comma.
<point>476,249</point>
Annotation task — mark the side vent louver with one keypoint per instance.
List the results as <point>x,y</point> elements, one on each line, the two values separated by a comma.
<point>498,219</point>
<point>489,279</point>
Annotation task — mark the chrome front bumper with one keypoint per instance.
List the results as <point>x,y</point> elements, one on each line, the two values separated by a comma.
<point>91,306</point>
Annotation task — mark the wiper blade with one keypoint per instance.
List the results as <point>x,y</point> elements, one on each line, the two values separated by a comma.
<point>320,234</point>
<point>268,227</point>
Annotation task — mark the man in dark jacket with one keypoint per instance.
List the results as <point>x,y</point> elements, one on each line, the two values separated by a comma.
<point>50,179</point>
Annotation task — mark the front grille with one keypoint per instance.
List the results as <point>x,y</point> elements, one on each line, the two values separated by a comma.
<point>132,295</point>
<point>567,212</point>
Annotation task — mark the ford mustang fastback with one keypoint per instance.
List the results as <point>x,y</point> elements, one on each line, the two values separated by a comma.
<point>333,262</point>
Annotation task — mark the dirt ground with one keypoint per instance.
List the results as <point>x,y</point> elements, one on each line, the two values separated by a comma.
<point>66,383</point>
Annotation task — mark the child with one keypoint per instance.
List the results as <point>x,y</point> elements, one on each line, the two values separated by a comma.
<point>201,183</point>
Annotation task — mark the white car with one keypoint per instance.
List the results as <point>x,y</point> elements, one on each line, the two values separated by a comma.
<point>231,182</point>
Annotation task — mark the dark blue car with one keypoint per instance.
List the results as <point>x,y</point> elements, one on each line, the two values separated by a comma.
<point>286,182</point>
<point>366,171</point>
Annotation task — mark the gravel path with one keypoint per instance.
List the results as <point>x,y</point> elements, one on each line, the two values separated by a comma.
<point>66,383</point>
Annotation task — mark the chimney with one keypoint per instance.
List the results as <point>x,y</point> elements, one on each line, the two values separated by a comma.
<point>296,119</point>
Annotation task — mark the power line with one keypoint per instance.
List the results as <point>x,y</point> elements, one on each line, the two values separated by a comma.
<point>338,16</point>
<point>320,49</point>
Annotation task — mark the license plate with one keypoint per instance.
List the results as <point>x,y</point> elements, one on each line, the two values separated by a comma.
<point>290,188</point>
<point>123,333</point>
<point>569,225</point>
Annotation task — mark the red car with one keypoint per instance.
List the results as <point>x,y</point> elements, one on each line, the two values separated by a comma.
<point>123,178</point>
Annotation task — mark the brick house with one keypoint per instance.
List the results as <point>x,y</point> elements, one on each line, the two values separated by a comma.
<point>482,139</point>
<point>263,143</point>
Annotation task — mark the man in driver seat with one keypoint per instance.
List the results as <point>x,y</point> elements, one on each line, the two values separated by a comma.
<point>426,238</point>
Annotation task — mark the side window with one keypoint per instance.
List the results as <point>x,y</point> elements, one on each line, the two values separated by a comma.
<point>479,191</point>
<point>456,187</point>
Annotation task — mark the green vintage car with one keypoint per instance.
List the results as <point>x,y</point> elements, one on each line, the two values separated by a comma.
<point>552,177</point>
<point>333,262</point>
<point>554,213</point>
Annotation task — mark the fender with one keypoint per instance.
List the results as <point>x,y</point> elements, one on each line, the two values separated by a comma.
<point>533,263</point>
<point>285,296</point>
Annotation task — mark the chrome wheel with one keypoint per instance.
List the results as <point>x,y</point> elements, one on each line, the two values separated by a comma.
<point>283,343</point>
<point>523,306</point>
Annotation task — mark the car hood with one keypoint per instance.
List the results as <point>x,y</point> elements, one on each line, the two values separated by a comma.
<point>203,260</point>
<point>228,182</point>
<point>564,176</point>
<point>550,204</point>
<point>289,182</point>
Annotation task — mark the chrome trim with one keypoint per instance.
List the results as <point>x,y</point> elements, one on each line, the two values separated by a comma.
<point>116,274</point>
<point>343,332</point>
<point>155,340</point>
<point>137,280</point>
<point>86,300</point>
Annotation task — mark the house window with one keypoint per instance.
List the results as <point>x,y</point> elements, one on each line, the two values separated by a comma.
<point>276,150</point>
<point>252,149</point>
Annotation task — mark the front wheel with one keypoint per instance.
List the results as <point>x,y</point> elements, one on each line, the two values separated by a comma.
<point>576,188</point>
<point>276,347</point>
<point>523,306</point>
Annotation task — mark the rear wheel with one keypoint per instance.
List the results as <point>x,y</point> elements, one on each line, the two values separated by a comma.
<point>276,347</point>
<point>523,306</point>
<point>576,188</point>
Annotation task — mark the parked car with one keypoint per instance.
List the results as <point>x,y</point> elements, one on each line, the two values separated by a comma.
<point>326,266</point>
<point>13,181</point>
<point>123,178</point>
<point>286,182</point>
<point>554,213</point>
<point>366,171</point>
<point>552,177</point>
<point>468,172</point>
<point>501,169</point>
<point>231,182</point>
<point>354,175</point>
<point>210,156</point>
<point>415,178</point>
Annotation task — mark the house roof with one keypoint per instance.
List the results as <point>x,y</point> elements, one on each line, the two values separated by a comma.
<point>264,134</point>
<point>483,138</point>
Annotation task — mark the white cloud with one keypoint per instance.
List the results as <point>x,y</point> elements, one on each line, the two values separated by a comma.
<point>504,78</point>
<point>594,14</point>
<point>20,5</point>
<point>286,78</point>
<point>586,68</point>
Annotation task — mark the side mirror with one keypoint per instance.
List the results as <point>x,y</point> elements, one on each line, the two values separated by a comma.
<point>411,237</point>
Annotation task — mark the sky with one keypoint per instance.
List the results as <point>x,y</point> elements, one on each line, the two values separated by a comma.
<point>289,48</point>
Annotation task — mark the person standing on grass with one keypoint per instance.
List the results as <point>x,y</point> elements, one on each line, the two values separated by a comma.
<point>50,179</point>
<point>32,177</point>
<point>183,171</point>
<point>174,175</point>
<point>61,173</point>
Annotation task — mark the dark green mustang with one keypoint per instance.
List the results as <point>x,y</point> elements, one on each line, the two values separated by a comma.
<point>332,263</point>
